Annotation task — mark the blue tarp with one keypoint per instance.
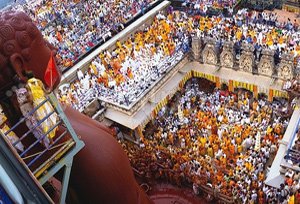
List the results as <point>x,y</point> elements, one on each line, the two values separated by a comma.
<point>4,199</point>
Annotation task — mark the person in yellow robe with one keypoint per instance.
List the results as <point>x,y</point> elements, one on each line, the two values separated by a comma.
<point>36,89</point>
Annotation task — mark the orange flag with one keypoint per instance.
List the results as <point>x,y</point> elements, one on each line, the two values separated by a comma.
<point>51,73</point>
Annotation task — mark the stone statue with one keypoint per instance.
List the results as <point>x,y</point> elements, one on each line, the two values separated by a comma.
<point>209,53</point>
<point>101,171</point>
<point>286,67</point>
<point>265,68</point>
<point>266,64</point>
<point>196,48</point>
<point>227,56</point>
<point>246,62</point>
<point>285,72</point>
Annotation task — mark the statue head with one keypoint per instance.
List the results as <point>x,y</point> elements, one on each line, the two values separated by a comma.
<point>23,50</point>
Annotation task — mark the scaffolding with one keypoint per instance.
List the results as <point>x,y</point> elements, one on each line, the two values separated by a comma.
<point>47,161</point>
<point>292,154</point>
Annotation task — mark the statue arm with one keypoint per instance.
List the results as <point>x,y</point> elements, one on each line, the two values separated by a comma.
<point>69,111</point>
<point>108,177</point>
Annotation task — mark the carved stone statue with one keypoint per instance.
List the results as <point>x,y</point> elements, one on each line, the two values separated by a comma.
<point>196,48</point>
<point>227,56</point>
<point>247,60</point>
<point>297,69</point>
<point>209,53</point>
<point>101,171</point>
<point>266,64</point>
<point>286,67</point>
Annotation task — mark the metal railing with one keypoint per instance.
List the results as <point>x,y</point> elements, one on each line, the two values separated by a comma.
<point>45,161</point>
<point>293,154</point>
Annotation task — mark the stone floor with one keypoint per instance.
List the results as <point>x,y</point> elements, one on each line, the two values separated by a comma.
<point>163,193</point>
<point>284,15</point>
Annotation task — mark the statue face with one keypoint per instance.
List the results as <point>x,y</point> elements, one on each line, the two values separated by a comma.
<point>41,53</point>
<point>24,50</point>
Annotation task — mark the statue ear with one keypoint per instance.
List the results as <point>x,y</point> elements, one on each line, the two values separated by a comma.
<point>17,63</point>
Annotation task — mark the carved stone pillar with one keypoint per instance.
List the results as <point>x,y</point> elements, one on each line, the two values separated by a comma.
<point>266,64</point>
<point>227,56</point>
<point>247,60</point>
<point>286,67</point>
<point>209,53</point>
<point>297,70</point>
<point>196,48</point>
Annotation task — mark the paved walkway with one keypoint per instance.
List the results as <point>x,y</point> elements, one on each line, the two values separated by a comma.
<point>284,15</point>
<point>169,194</point>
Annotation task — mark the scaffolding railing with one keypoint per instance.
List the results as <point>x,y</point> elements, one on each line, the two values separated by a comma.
<point>292,154</point>
<point>45,161</point>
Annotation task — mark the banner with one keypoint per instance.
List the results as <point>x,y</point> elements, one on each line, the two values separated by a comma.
<point>280,94</point>
<point>218,82</point>
<point>205,76</point>
<point>238,84</point>
<point>277,93</point>
<point>230,86</point>
<point>186,77</point>
<point>270,96</point>
<point>255,91</point>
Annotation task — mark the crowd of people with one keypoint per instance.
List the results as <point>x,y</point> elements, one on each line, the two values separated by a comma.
<point>75,26</point>
<point>123,75</point>
<point>203,136</point>
<point>223,139</point>
<point>203,6</point>
<point>217,138</point>
<point>262,29</point>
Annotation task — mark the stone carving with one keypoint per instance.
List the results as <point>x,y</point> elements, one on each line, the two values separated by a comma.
<point>266,64</point>
<point>297,70</point>
<point>196,48</point>
<point>210,53</point>
<point>285,72</point>
<point>227,56</point>
<point>286,67</point>
<point>246,62</point>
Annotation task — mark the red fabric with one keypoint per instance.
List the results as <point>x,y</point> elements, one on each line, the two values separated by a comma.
<point>51,73</point>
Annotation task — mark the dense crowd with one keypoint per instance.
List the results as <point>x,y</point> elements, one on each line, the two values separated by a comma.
<point>262,29</point>
<point>123,75</point>
<point>203,6</point>
<point>67,25</point>
<point>120,78</point>
<point>74,27</point>
<point>223,139</point>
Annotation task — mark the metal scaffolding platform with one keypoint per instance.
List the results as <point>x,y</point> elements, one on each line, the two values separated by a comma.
<point>47,161</point>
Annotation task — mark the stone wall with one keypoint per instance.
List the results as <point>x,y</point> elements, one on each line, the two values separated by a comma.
<point>208,51</point>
